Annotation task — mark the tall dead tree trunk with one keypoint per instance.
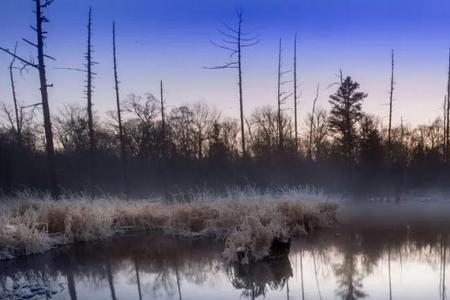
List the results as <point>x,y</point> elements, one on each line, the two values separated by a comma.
<point>447,125</point>
<point>163,119</point>
<point>282,96</point>
<point>402,131</point>
<point>40,18</point>
<point>14,96</point>
<point>391,96</point>
<point>40,67</point>
<point>235,40</point>
<point>89,64</point>
<point>311,124</point>
<point>119,115</point>
<point>164,144</point>
<point>444,126</point>
<point>241,104</point>
<point>295,94</point>
<point>279,122</point>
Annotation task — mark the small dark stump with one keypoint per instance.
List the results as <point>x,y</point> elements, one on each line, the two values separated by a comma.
<point>279,249</point>
<point>281,245</point>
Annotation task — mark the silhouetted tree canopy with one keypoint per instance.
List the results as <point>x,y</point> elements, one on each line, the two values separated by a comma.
<point>346,111</point>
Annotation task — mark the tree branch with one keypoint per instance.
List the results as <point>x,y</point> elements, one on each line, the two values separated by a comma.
<point>19,58</point>
<point>231,65</point>
<point>250,44</point>
<point>71,69</point>
<point>223,47</point>
<point>31,43</point>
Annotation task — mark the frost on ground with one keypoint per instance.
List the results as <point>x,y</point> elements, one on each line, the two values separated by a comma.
<point>245,223</point>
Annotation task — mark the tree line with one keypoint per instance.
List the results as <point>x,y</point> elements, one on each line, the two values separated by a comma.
<point>142,146</point>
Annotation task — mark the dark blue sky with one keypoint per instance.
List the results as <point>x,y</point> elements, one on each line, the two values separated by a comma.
<point>169,40</point>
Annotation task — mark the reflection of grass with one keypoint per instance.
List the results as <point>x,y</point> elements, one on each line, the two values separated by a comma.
<point>36,225</point>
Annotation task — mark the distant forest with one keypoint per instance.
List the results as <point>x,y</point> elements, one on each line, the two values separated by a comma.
<point>141,147</point>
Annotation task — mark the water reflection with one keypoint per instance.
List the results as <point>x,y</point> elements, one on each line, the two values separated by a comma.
<point>442,271</point>
<point>363,263</point>
<point>256,279</point>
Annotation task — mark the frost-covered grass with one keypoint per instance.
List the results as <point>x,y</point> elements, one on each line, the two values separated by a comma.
<point>244,220</point>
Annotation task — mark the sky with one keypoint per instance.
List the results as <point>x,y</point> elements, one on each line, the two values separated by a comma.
<point>170,40</point>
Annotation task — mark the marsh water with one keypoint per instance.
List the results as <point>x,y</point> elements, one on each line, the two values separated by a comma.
<point>394,261</point>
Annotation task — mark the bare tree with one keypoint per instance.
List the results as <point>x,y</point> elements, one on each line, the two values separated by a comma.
<point>119,113</point>
<point>89,64</point>
<point>402,131</point>
<point>140,124</point>
<point>444,125</point>
<point>14,96</point>
<point>235,39</point>
<point>40,67</point>
<point>319,132</point>
<point>391,95</point>
<point>181,119</point>
<point>312,122</point>
<point>280,130</point>
<point>71,129</point>
<point>282,96</point>
<point>163,143</point>
<point>163,120</point>
<point>203,119</point>
<point>447,124</point>
<point>295,93</point>
<point>263,125</point>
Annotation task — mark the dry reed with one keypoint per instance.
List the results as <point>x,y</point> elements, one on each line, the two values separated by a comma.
<point>36,225</point>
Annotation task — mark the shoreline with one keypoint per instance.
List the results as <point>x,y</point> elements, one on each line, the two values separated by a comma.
<point>36,226</point>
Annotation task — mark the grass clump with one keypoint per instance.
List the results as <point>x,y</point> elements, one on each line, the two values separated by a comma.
<point>36,225</point>
<point>251,240</point>
<point>191,217</point>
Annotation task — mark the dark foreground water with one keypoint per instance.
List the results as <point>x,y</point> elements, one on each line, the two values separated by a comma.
<point>354,263</point>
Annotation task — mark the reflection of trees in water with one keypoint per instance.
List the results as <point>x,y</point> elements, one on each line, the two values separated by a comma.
<point>173,262</point>
<point>301,276</point>
<point>361,250</point>
<point>442,271</point>
<point>349,279</point>
<point>321,253</point>
<point>389,271</point>
<point>159,266</point>
<point>168,261</point>
<point>324,255</point>
<point>138,279</point>
<point>255,279</point>
<point>349,274</point>
<point>110,281</point>
<point>71,285</point>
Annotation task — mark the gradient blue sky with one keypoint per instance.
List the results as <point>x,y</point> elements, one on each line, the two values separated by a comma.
<point>169,40</point>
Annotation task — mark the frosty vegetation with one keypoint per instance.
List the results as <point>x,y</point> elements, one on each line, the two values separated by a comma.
<point>36,225</point>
